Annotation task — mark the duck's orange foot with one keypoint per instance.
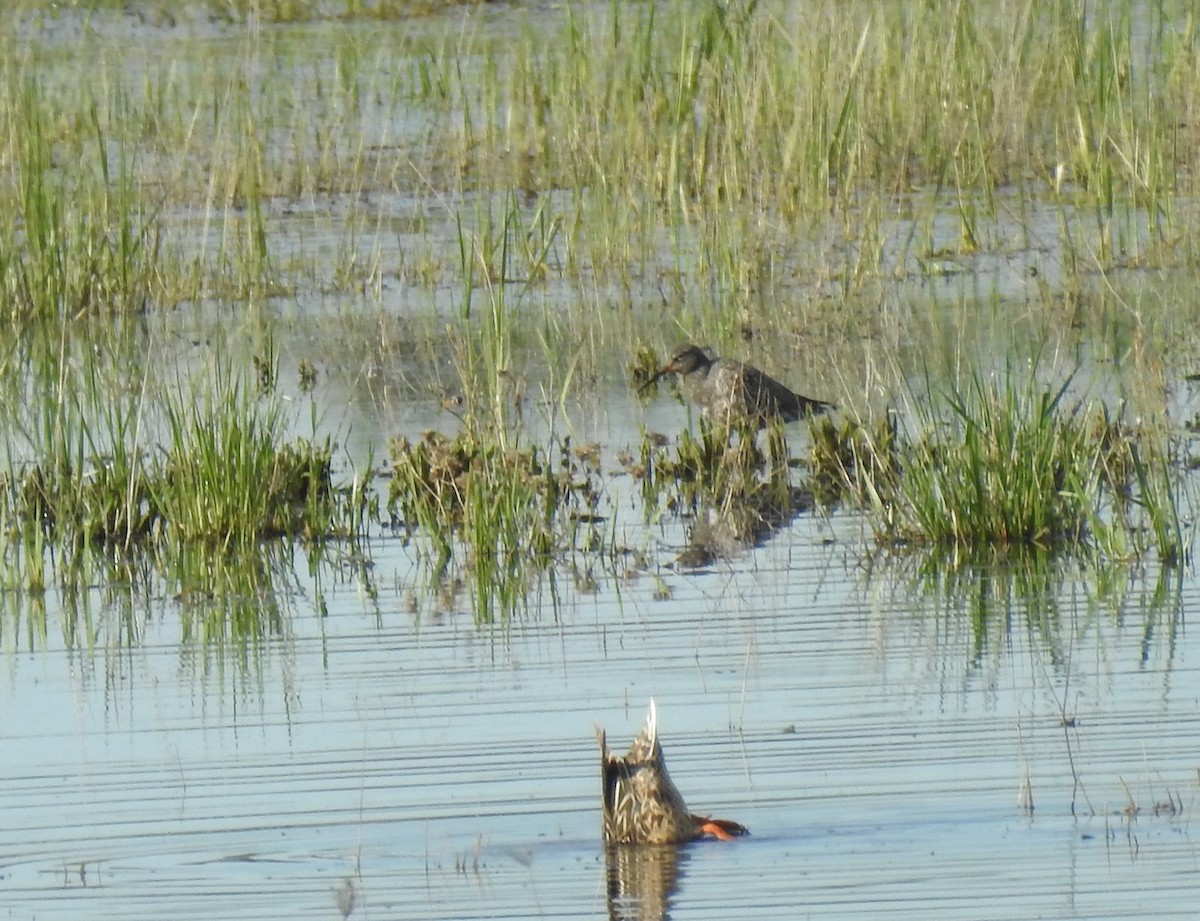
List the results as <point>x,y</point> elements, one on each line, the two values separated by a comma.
<point>724,829</point>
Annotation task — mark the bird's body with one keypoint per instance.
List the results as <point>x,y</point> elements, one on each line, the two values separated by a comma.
<point>730,391</point>
<point>641,803</point>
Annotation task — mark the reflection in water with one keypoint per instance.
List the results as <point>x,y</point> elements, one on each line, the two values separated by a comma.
<point>346,896</point>
<point>1053,603</point>
<point>722,530</point>
<point>641,880</point>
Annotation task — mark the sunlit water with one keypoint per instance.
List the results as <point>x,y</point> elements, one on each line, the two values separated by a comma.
<point>1002,745</point>
<point>875,737</point>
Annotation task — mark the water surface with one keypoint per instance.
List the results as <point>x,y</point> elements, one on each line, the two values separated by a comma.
<point>1015,743</point>
<point>874,737</point>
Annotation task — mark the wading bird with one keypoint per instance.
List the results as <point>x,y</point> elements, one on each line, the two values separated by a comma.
<point>729,391</point>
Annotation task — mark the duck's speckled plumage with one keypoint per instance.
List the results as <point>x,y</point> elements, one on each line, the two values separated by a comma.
<point>640,802</point>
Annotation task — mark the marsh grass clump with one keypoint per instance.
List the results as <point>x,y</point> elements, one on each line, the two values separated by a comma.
<point>849,459</point>
<point>72,471</point>
<point>228,477</point>
<point>736,492</point>
<point>1007,468</point>
<point>107,503</point>
<point>1008,465</point>
<point>513,511</point>
<point>719,462</point>
<point>106,471</point>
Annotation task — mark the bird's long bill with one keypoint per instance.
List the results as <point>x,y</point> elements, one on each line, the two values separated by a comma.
<point>654,379</point>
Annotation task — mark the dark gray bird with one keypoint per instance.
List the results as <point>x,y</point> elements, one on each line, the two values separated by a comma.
<point>729,391</point>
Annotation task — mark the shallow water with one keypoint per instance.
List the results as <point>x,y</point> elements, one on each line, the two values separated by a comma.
<point>992,744</point>
<point>872,738</point>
